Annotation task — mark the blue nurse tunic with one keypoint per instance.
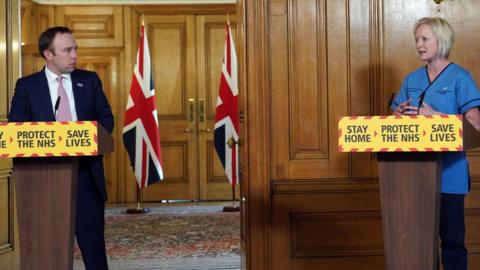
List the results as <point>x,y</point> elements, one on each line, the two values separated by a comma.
<point>453,92</point>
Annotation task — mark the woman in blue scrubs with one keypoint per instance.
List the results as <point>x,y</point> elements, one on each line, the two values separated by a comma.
<point>443,87</point>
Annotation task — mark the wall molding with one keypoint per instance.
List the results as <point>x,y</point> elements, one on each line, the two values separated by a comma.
<point>324,185</point>
<point>131,2</point>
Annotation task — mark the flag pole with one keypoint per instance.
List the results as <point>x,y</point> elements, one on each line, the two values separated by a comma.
<point>139,209</point>
<point>142,84</point>
<point>228,94</point>
<point>234,208</point>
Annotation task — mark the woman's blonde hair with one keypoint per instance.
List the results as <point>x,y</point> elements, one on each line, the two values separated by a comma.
<point>442,31</point>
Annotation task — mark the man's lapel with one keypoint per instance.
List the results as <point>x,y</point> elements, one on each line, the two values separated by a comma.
<point>44,96</point>
<point>77,87</point>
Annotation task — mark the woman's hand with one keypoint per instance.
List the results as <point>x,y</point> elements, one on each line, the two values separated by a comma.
<point>427,110</point>
<point>402,108</point>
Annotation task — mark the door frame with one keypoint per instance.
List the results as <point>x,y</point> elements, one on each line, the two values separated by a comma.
<point>255,100</point>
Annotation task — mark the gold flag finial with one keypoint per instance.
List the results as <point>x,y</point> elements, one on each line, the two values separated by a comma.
<point>228,18</point>
<point>231,142</point>
<point>143,19</point>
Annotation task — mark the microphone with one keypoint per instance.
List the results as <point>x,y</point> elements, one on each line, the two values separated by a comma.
<point>57,104</point>
<point>420,100</point>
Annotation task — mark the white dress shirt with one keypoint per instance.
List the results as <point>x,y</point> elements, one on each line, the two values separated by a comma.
<point>67,85</point>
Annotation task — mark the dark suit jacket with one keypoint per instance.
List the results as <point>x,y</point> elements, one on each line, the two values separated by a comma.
<point>31,102</point>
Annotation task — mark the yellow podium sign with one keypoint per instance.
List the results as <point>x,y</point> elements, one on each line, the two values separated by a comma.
<point>48,139</point>
<point>436,133</point>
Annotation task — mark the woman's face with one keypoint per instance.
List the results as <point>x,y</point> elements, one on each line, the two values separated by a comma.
<point>426,43</point>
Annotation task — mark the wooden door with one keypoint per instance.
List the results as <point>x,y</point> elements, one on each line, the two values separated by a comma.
<point>9,72</point>
<point>213,182</point>
<point>187,52</point>
<point>172,48</point>
<point>106,63</point>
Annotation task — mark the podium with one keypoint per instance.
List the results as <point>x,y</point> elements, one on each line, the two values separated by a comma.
<point>410,200</point>
<point>410,186</point>
<point>45,171</point>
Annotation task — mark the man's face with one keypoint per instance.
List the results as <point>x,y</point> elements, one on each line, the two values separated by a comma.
<point>62,57</point>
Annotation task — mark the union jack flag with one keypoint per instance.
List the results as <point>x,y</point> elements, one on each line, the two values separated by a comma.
<point>227,126</point>
<point>140,132</point>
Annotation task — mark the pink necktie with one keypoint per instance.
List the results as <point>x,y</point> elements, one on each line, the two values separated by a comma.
<point>64,113</point>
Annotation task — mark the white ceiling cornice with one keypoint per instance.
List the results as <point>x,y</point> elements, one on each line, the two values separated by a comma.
<point>131,2</point>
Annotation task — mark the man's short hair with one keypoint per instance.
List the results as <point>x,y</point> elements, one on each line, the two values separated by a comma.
<point>442,31</point>
<point>45,40</point>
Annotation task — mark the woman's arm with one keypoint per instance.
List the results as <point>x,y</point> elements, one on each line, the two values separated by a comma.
<point>473,116</point>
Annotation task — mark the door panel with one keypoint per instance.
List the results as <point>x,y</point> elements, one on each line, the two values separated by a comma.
<point>305,46</point>
<point>106,63</point>
<point>172,49</point>
<point>95,26</point>
<point>9,72</point>
<point>7,218</point>
<point>214,184</point>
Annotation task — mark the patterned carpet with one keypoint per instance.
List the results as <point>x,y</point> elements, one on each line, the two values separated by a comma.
<point>172,236</point>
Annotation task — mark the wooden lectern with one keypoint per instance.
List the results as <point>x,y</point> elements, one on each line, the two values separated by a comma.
<point>410,185</point>
<point>46,199</point>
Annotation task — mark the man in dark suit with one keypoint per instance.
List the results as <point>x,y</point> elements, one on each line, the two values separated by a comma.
<point>61,92</point>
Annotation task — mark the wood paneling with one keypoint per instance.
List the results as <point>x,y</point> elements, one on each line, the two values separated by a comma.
<point>45,19</point>
<point>214,170</point>
<point>31,60</point>
<point>307,91</point>
<point>363,94</point>
<point>172,43</point>
<point>107,64</point>
<point>307,46</point>
<point>177,153</point>
<point>9,72</point>
<point>256,211</point>
<point>326,230</point>
<point>27,14</point>
<point>35,19</point>
<point>93,26</point>
<point>213,183</point>
<point>187,55</point>
<point>327,234</point>
<point>6,211</point>
<point>173,75</point>
<point>4,59</point>
<point>244,172</point>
